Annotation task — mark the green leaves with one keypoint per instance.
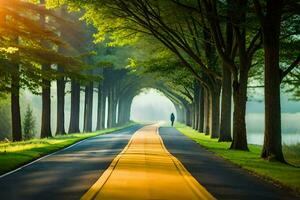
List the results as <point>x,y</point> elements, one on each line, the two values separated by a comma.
<point>32,36</point>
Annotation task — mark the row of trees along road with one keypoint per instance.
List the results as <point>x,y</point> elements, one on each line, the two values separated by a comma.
<point>200,54</point>
<point>219,42</point>
<point>29,42</point>
<point>39,46</point>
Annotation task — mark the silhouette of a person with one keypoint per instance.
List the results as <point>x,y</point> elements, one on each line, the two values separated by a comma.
<point>172,119</point>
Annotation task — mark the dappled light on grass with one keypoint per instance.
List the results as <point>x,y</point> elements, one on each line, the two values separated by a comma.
<point>40,143</point>
<point>292,153</point>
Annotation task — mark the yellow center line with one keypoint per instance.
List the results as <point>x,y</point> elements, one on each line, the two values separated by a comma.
<point>146,170</point>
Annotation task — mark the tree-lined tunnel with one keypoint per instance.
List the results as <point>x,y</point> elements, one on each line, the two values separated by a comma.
<point>96,76</point>
<point>115,95</point>
<point>108,104</point>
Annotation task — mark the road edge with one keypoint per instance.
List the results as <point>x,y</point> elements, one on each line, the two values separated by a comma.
<point>262,177</point>
<point>61,150</point>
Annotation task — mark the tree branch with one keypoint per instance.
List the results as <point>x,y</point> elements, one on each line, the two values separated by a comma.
<point>290,68</point>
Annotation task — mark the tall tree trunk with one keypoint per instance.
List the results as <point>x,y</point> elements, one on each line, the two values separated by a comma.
<point>226,113</point>
<point>192,113</point>
<point>201,110</point>
<point>213,89</point>
<point>46,106</point>
<point>206,112</point>
<point>183,111</point>
<point>46,96</point>
<point>88,107</point>
<point>60,116</point>
<point>75,107</point>
<point>128,109</point>
<point>196,107</point>
<point>177,112</point>
<point>15,105</point>
<point>240,78</point>
<point>114,106</point>
<point>60,128</point>
<point>85,117</point>
<point>272,147</point>
<point>120,111</point>
<point>100,109</point>
<point>188,115</point>
<point>192,117</point>
<point>215,111</point>
<point>110,111</point>
<point>124,110</point>
<point>103,107</point>
<point>239,141</point>
<point>225,126</point>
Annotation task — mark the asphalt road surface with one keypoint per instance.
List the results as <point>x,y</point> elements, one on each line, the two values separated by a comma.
<point>146,170</point>
<point>67,174</point>
<point>221,178</point>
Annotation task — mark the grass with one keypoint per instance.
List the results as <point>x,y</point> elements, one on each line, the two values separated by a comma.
<point>16,154</point>
<point>278,173</point>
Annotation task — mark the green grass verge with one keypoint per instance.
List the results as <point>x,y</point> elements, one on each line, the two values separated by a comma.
<point>278,173</point>
<point>16,154</point>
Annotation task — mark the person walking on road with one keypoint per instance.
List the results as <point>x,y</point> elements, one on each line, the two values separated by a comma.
<point>172,118</point>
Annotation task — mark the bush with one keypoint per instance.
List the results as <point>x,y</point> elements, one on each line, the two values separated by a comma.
<point>28,124</point>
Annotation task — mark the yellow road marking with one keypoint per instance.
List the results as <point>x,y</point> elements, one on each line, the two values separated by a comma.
<point>146,170</point>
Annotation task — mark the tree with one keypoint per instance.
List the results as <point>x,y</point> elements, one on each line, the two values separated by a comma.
<point>101,104</point>
<point>29,124</point>
<point>46,88</point>
<point>271,18</point>
<point>28,46</point>
<point>75,107</point>
<point>21,36</point>
<point>247,40</point>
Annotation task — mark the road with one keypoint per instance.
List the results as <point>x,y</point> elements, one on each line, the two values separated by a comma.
<point>124,165</point>
<point>221,178</point>
<point>146,170</point>
<point>68,174</point>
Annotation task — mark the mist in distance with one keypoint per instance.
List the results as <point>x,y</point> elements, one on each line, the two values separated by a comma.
<point>151,106</point>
